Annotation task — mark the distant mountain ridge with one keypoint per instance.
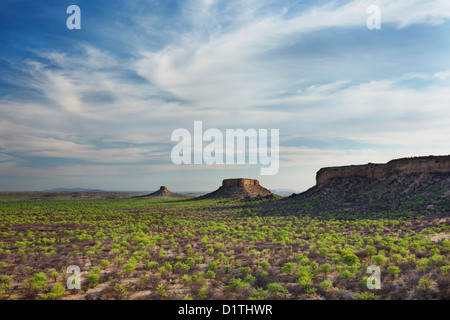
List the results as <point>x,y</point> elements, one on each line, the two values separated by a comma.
<point>74,190</point>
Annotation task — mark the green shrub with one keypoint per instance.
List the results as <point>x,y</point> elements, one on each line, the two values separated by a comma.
<point>259,294</point>
<point>378,260</point>
<point>56,292</point>
<point>326,285</point>
<point>322,251</point>
<point>151,265</point>
<point>54,275</point>
<point>185,279</point>
<point>93,279</point>
<point>162,253</point>
<point>249,278</point>
<point>245,270</point>
<point>425,284</point>
<point>365,296</point>
<point>210,274</point>
<point>305,283</point>
<point>277,290</point>
<point>445,270</point>
<point>335,258</point>
<point>235,284</point>
<point>422,264</point>
<point>436,258</point>
<point>168,266</point>
<point>396,258</point>
<point>145,279</point>
<point>262,273</point>
<point>105,264</point>
<point>36,283</point>
<point>119,261</point>
<point>96,270</point>
<point>227,269</point>
<point>301,259</point>
<point>129,268</point>
<point>325,268</point>
<point>371,250</point>
<point>393,270</point>
<point>363,281</point>
<point>289,267</point>
<point>350,259</point>
<point>347,274</point>
<point>213,265</point>
<point>190,261</point>
<point>203,292</point>
<point>122,290</point>
<point>161,291</point>
<point>27,269</point>
<point>5,286</point>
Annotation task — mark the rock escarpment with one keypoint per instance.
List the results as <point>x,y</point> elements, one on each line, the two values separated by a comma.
<point>417,185</point>
<point>377,171</point>
<point>240,189</point>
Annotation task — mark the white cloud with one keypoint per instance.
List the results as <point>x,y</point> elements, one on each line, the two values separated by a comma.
<point>229,67</point>
<point>442,75</point>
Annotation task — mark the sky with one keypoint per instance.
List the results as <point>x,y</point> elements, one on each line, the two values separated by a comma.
<point>96,107</point>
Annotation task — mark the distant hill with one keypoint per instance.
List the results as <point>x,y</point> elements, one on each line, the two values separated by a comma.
<point>284,192</point>
<point>74,190</point>
<point>163,192</point>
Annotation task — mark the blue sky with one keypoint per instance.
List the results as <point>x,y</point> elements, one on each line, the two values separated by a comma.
<point>96,107</point>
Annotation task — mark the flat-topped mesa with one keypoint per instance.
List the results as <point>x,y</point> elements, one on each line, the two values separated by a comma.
<point>229,183</point>
<point>376,171</point>
<point>240,189</point>
<point>163,189</point>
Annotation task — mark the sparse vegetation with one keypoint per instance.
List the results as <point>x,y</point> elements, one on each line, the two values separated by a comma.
<point>209,249</point>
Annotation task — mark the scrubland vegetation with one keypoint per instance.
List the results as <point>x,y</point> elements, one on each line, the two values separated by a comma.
<point>217,249</point>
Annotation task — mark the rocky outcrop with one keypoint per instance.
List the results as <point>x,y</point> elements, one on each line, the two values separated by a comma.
<point>241,189</point>
<point>376,171</point>
<point>163,192</point>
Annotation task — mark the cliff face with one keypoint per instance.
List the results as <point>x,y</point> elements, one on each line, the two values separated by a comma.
<point>239,183</point>
<point>376,171</point>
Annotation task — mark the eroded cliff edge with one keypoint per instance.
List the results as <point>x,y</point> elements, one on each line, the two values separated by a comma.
<point>375,171</point>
